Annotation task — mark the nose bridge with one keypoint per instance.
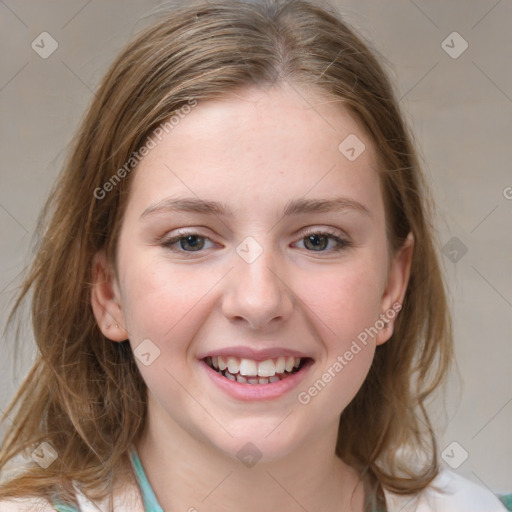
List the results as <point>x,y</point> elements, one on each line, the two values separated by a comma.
<point>258,275</point>
<point>256,291</point>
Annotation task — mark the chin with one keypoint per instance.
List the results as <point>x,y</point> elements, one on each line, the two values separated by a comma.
<point>258,442</point>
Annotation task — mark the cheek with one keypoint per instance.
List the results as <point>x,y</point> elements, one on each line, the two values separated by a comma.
<point>346,299</point>
<point>336,386</point>
<point>164,308</point>
<point>162,303</point>
<point>346,307</point>
<point>352,304</point>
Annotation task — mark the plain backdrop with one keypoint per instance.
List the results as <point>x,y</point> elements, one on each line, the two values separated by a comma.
<point>459,104</point>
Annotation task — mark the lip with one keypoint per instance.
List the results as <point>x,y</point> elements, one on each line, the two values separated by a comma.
<point>257,392</point>
<point>255,354</point>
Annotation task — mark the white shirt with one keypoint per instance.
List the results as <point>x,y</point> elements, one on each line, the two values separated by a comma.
<point>455,494</point>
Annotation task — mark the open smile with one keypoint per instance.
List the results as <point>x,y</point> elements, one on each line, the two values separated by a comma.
<point>249,371</point>
<point>248,379</point>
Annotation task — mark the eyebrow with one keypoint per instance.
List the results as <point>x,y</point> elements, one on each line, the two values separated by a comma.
<point>294,207</point>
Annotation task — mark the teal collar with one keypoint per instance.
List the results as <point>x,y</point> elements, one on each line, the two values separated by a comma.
<point>148,496</point>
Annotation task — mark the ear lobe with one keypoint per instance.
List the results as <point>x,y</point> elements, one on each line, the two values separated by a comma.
<point>396,287</point>
<point>105,305</point>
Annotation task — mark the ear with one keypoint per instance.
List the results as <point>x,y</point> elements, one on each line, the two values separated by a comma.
<point>396,287</point>
<point>105,299</point>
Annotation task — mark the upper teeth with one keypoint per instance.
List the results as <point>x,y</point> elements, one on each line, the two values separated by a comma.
<point>249,367</point>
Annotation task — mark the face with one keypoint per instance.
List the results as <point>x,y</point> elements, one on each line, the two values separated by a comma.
<point>252,240</point>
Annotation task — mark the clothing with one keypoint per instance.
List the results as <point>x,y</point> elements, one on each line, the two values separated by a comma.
<point>448,493</point>
<point>461,495</point>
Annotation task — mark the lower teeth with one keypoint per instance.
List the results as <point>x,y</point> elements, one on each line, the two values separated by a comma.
<point>254,379</point>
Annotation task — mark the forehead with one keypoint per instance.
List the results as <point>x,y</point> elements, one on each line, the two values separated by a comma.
<point>261,145</point>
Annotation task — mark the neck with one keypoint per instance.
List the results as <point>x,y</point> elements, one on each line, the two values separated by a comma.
<point>188,474</point>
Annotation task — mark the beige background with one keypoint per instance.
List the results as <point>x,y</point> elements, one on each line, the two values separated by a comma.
<point>460,108</point>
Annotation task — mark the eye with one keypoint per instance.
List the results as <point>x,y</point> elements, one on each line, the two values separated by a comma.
<point>314,241</point>
<point>187,242</point>
<point>318,241</point>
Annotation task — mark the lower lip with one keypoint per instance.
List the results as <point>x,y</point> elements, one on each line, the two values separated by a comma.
<point>250,392</point>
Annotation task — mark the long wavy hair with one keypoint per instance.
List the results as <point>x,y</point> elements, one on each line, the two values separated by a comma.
<point>84,395</point>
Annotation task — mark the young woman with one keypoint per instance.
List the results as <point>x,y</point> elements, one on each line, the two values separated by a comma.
<point>237,300</point>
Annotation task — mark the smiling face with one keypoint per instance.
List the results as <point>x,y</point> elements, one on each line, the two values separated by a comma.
<point>249,234</point>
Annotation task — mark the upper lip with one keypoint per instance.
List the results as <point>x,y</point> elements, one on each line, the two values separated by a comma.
<point>261,354</point>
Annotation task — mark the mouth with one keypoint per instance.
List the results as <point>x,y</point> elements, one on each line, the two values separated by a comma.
<point>249,371</point>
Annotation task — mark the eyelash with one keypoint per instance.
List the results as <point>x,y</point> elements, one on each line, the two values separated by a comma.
<point>342,243</point>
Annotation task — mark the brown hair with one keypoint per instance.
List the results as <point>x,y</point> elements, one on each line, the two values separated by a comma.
<point>84,394</point>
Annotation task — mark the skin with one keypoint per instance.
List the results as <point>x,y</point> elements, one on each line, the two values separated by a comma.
<point>255,151</point>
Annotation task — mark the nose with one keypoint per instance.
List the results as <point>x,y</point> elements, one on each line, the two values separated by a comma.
<point>257,293</point>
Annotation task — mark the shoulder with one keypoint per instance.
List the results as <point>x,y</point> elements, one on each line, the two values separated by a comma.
<point>449,492</point>
<point>25,505</point>
<point>126,498</point>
